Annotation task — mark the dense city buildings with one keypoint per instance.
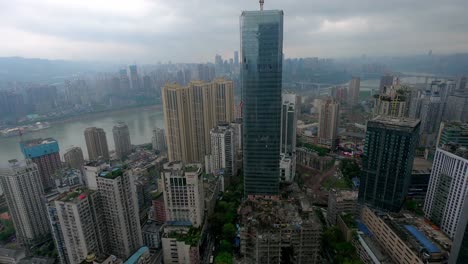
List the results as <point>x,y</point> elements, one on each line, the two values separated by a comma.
<point>81,224</point>
<point>96,143</point>
<point>45,153</point>
<point>353,91</point>
<point>74,158</point>
<point>448,187</point>
<point>261,78</point>
<point>406,239</point>
<point>191,112</point>
<point>329,111</point>
<point>123,146</point>
<point>22,187</point>
<point>158,141</point>
<point>453,132</point>
<point>120,211</point>
<point>159,208</point>
<point>183,193</point>
<point>283,231</point>
<point>387,161</point>
<point>459,252</point>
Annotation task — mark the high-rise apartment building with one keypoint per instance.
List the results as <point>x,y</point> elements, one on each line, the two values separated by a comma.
<point>45,153</point>
<point>392,102</point>
<point>353,91</point>
<point>81,224</point>
<point>223,150</point>
<point>236,58</point>
<point>120,211</point>
<point>457,107</point>
<point>430,115</point>
<point>123,145</point>
<point>289,112</point>
<point>183,193</point>
<point>158,140</point>
<point>191,112</point>
<point>124,81</point>
<point>22,187</point>
<point>261,81</point>
<point>387,161</point>
<point>385,82</point>
<point>74,158</point>
<point>96,143</point>
<point>459,252</point>
<point>328,122</point>
<point>134,79</point>
<point>448,188</point>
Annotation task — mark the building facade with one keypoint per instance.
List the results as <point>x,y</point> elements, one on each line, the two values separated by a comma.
<point>96,143</point>
<point>448,188</point>
<point>261,81</point>
<point>387,161</point>
<point>123,145</point>
<point>459,252</point>
<point>191,112</point>
<point>22,188</point>
<point>74,158</point>
<point>45,153</point>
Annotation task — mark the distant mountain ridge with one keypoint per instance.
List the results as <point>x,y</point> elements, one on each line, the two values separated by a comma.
<point>45,71</point>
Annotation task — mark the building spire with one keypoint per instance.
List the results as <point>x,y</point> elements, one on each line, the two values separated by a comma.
<point>261,4</point>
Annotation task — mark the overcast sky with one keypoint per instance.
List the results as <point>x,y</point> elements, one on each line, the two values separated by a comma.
<point>148,31</point>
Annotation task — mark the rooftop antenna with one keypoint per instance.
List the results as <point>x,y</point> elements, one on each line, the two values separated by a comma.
<point>261,4</point>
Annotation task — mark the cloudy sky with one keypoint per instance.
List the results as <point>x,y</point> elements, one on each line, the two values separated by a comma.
<point>147,31</point>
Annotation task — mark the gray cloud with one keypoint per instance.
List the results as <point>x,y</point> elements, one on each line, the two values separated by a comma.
<point>147,31</point>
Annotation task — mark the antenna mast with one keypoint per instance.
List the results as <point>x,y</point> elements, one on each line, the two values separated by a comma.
<point>261,4</point>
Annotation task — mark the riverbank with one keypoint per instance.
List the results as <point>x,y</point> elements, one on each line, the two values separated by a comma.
<point>104,113</point>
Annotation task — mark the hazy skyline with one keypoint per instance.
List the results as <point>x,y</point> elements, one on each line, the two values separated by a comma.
<point>147,31</point>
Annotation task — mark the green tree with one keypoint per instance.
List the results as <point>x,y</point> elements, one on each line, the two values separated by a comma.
<point>229,231</point>
<point>225,246</point>
<point>223,258</point>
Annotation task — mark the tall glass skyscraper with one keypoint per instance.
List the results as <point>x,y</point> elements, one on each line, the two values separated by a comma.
<point>261,73</point>
<point>387,162</point>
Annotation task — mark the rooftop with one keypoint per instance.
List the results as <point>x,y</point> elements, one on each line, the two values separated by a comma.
<point>111,173</point>
<point>394,121</point>
<point>421,165</point>
<point>75,195</point>
<point>38,141</point>
<point>456,149</point>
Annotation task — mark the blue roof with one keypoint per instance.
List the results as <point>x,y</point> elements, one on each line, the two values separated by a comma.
<point>363,228</point>
<point>136,256</point>
<point>39,147</point>
<point>428,245</point>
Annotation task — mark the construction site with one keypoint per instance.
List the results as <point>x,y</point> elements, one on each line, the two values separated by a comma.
<point>280,231</point>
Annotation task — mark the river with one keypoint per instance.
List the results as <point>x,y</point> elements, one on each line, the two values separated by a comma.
<point>140,121</point>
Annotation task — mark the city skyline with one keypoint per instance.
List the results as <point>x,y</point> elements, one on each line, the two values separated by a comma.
<point>145,31</point>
